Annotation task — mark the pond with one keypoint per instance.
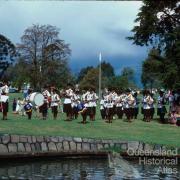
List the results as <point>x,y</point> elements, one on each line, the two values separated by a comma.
<point>100,169</point>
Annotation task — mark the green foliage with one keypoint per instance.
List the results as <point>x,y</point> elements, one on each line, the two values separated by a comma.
<point>107,69</point>
<point>158,26</point>
<point>90,80</point>
<point>7,54</point>
<point>83,72</point>
<point>46,55</point>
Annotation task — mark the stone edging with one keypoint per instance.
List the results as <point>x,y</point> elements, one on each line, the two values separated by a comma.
<point>31,145</point>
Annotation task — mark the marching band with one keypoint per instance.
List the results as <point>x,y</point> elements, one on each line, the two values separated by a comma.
<point>113,104</point>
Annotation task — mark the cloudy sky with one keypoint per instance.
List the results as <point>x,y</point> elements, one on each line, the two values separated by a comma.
<point>89,27</point>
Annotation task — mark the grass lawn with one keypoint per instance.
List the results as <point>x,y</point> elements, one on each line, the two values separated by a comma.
<point>152,132</point>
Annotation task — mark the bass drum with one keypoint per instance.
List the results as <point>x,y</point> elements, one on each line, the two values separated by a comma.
<point>37,99</point>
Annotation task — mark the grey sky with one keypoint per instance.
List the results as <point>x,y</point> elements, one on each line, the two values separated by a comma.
<point>89,27</point>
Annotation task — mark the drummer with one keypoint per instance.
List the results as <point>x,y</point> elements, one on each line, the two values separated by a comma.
<point>55,100</point>
<point>5,104</point>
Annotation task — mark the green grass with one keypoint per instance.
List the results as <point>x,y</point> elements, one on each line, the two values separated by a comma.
<point>152,132</point>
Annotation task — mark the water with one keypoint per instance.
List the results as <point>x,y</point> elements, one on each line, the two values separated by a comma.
<point>81,169</point>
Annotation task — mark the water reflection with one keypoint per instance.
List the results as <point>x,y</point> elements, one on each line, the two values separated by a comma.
<point>77,169</point>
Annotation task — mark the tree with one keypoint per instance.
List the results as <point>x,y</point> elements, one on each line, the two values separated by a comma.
<point>90,80</point>
<point>129,73</point>
<point>158,26</point>
<point>43,50</point>
<point>83,72</point>
<point>151,69</point>
<point>107,69</point>
<point>8,54</point>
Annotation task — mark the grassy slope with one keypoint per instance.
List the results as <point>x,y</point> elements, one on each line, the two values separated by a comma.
<point>152,132</point>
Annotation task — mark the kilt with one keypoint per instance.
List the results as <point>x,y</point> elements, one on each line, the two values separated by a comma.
<point>5,106</point>
<point>54,109</point>
<point>91,110</point>
<point>109,111</point>
<point>147,112</point>
<point>67,108</point>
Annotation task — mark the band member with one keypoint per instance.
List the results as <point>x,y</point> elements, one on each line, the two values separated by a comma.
<point>5,102</point>
<point>55,99</point>
<point>161,109</point>
<point>44,109</point>
<point>129,102</point>
<point>75,101</point>
<point>136,105</point>
<point>92,98</point>
<point>67,108</point>
<point>109,107</point>
<point>28,109</point>
<point>47,100</point>
<point>152,101</point>
<point>83,107</point>
<point>103,108</point>
<point>119,105</point>
<point>147,101</point>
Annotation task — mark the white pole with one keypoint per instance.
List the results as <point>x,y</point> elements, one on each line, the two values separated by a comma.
<point>100,59</point>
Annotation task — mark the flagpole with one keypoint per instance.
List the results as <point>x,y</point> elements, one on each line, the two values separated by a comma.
<point>100,59</point>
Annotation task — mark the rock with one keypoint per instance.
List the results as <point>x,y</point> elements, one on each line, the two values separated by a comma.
<point>68,139</point>
<point>44,146</point>
<point>34,139</point>
<point>52,146</point>
<point>5,139</point>
<point>12,147</point>
<point>20,147</point>
<point>40,139</point>
<point>23,139</point>
<point>133,145</point>
<point>99,146</point>
<point>79,140</point>
<point>14,138</point>
<point>60,139</point>
<point>72,146</point>
<point>93,147</point>
<point>79,147</point>
<point>124,147</point>
<point>85,140</point>
<point>141,146</point>
<point>3,149</point>
<point>148,147</point>
<point>28,147</point>
<point>29,139</point>
<point>59,146</point>
<point>33,147</point>
<point>66,146</point>
<point>54,139</point>
<point>106,145</point>
<point>117,145</point>
<point>37,147</point>
<point>157,147</point>
<point>86,147</point>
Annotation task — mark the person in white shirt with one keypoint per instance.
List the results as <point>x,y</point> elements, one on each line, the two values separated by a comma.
<point>92,98</point>
<point>5,104</point>
<point>109,107</point>
<point>119,105</point>
<point>75,101</point>
<point>67,107</point>
<point>55,99</point>
<point>103,108</point>
<point>147,101</point>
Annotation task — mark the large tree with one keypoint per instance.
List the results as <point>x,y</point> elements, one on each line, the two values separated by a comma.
<point>83,72</point>
<point>158,25</point>
<point>45,53</point>
<point>8,54</point>
<point>107,69</point>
